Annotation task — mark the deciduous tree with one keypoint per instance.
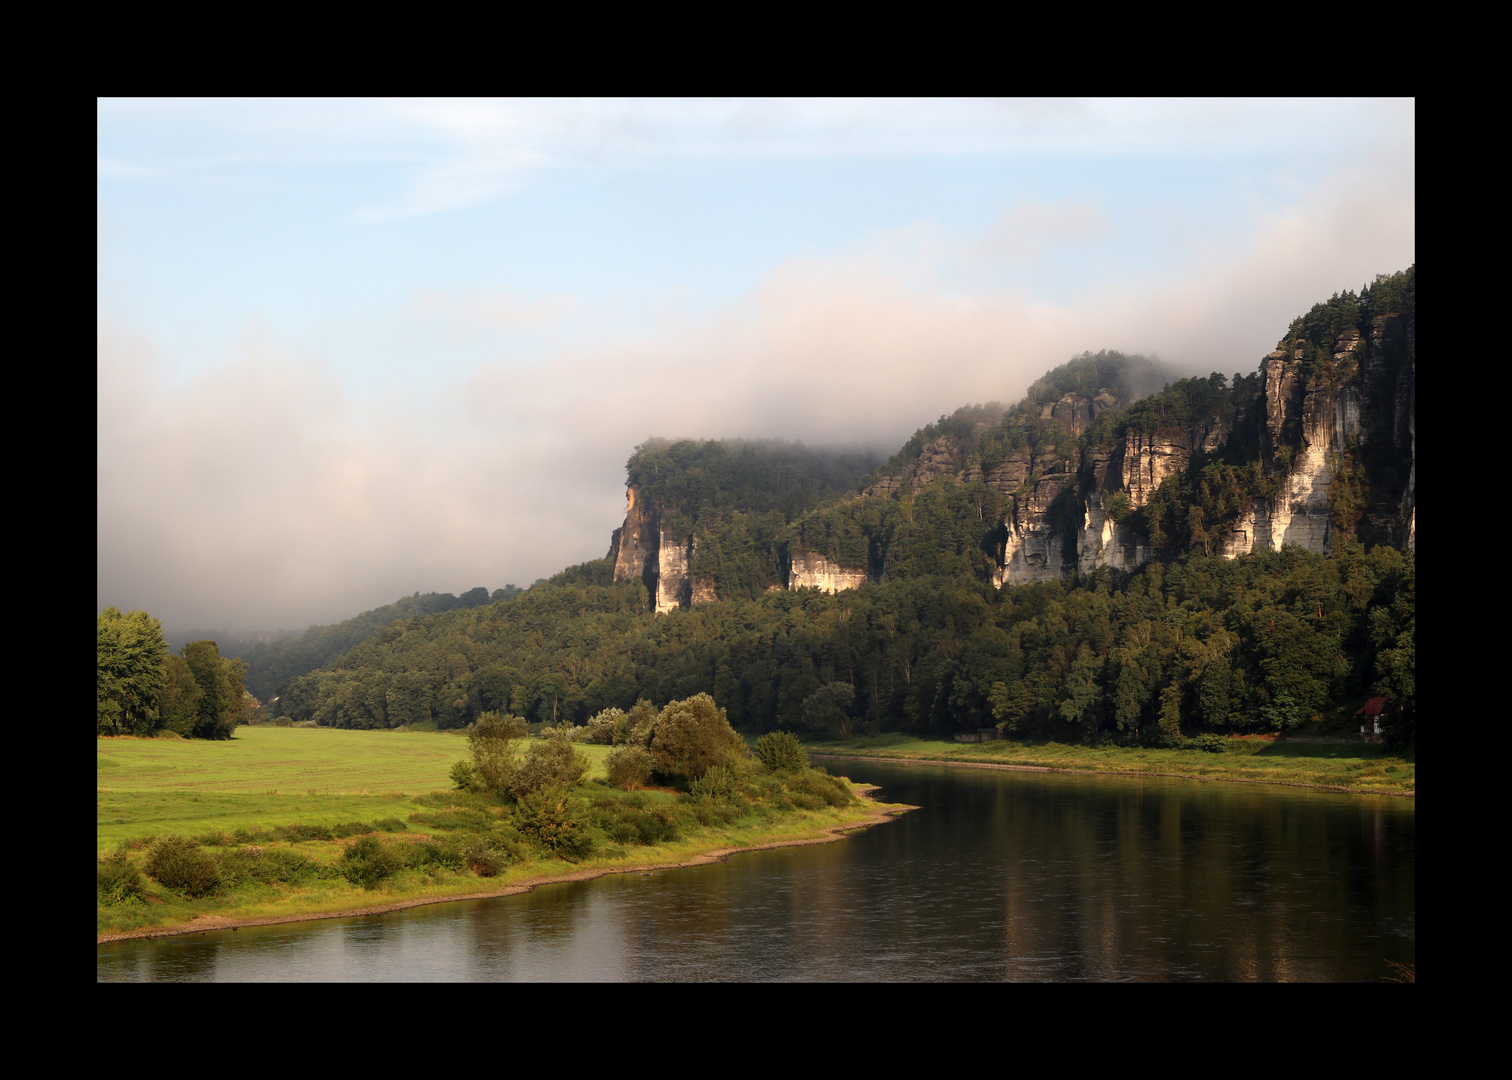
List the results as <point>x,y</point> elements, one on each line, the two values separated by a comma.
<point>130,671</point>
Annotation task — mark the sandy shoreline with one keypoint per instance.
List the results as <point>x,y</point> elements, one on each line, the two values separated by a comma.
<point>824,755</point>
<point>878,813</point>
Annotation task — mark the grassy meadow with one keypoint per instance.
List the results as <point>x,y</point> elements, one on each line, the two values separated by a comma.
<point>280,813</point>
<point>1350,765</point>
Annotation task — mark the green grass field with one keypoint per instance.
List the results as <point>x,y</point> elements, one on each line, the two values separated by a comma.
<point>1352,766</point>
<point>230,795</point>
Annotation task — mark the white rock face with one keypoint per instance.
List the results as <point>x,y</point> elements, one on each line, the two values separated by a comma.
<point>1147,461</point>
<point>674,583</point>
<point>1104,542</point>
<point>811,570</point>
<point>1299,513</point>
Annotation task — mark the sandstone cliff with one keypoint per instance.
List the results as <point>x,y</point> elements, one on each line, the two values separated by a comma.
<point>644,548</point>
<point>1320,442</point>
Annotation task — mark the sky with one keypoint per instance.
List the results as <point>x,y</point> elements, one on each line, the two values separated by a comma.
<point>352,350</point>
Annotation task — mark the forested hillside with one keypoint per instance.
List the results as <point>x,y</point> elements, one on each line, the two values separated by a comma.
<point>271,663</point>
<point>1223,555</point>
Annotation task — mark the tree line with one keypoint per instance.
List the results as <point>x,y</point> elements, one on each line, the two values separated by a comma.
<point>1203,644</point>
<point>143,688</point>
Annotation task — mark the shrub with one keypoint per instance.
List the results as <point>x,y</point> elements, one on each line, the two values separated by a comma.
<point>483,858</point>
<point>829,790</point>
<point>548,817</point>
<point>180,864</point>
<point>455,817</point>
<point>366,862</point>
<point>430,855</point>
<point>603,727</point>
<point>1211,743</point>
<point>780,751</point>
<point>264,866</point>
<point>565,731</point>
<point>453,800</point>
<point>464,777</point>
<point>719,783</point>
<point>118,881</point>
<point>625,823</point>
<point>296,832</point>
<point>628,766</point>
<point>692,736</point>
<point>551,762</point>
<point>704,809</point>
<point>492,742</point>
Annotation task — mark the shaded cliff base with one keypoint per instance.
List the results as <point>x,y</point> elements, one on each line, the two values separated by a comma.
<point>790,834</point>
<point>1357,768</point>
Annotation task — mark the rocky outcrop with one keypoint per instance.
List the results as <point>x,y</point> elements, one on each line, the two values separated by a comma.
<point>1102,541</point>
<point>942,456</point>
<point>644,549</point>
<point>1344,414</point>
<point>1075,412</point>
<point>810,570</point>
<point>674,580</point>
<point>635,544</point>
<point>1308,433</point>
<point>1299,512</point>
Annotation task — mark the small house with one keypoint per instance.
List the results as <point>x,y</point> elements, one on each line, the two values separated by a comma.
<point>1370,715</point>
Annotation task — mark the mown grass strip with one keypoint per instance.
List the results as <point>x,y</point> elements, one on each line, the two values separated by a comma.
<point>1358,767</point>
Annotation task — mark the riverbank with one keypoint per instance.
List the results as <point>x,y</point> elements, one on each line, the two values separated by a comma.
<point>1355,767</point>
<point>344,903</point>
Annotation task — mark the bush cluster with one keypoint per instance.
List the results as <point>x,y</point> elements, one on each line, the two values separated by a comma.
<point>485,858</point>
<point>812,784</point>
<point>367,862</point>
<point>629,766</point>
<point>118,880</point>
<point>780,751</point>
<point>555,822</point>
<point>1211,743</point>
<point>265,866</point>
<point>181,864</point>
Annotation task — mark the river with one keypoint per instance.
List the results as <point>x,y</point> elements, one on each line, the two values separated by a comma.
<point>998,876</point>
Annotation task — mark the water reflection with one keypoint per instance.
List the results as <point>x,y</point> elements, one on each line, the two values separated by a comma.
<point>999,876</point>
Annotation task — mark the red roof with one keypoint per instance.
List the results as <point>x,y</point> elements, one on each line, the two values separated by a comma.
<point>1374,707</point>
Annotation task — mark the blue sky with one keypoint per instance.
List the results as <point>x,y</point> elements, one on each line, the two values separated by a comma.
<point>356,349</point>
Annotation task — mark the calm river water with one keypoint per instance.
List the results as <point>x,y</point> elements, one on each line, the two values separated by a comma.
<point>998,876</point>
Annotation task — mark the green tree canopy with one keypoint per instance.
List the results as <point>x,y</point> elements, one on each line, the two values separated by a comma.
<point>220,682</point>
<point>692,736</point>
<point>130,671</point>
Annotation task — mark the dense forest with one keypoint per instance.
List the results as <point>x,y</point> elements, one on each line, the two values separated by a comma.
<point>1259,643</point>
<point>270,663</point>
<point>1186,644</point>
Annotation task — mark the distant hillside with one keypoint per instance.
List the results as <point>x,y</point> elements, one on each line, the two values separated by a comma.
<point>269,663</point>
<point>1094,562</point>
